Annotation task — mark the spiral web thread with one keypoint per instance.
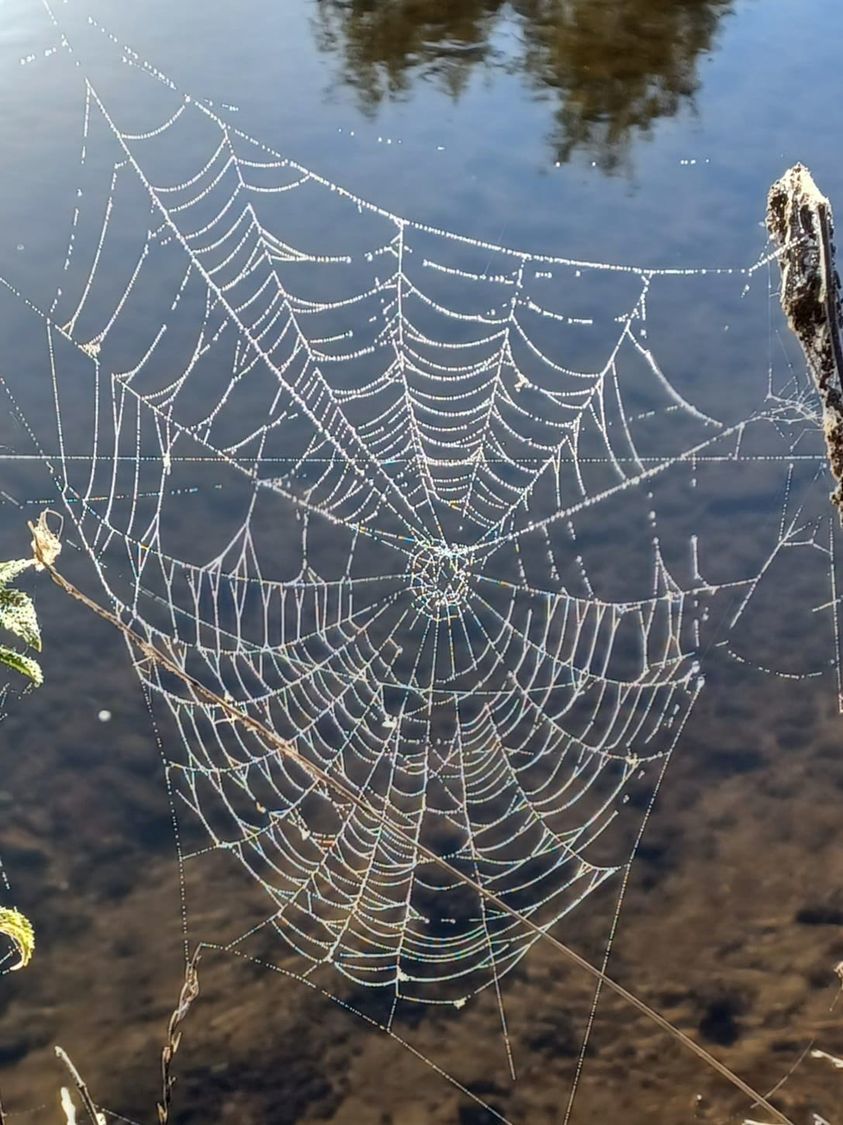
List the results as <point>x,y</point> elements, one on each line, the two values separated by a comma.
<point>410,458</point>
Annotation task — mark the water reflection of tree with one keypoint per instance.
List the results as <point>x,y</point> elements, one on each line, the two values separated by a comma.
<point>385,44</point>
<point>615,65</point>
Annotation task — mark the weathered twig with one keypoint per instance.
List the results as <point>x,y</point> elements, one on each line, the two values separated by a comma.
<point>189,992</point>
<point>800,221</point>
<point>94,1114</point>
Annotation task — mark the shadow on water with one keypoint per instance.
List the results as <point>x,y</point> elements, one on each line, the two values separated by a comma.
<point>612,68</point>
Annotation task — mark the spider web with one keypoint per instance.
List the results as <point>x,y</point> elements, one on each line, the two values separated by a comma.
<point>421,504</point>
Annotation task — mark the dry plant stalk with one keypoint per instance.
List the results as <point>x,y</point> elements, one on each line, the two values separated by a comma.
<point>93,1113</point>
<point>189,992</point>
<point>800,222</point>
<point>44,548</point>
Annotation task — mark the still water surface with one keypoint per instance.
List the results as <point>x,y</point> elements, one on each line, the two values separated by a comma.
<point>640,133</point>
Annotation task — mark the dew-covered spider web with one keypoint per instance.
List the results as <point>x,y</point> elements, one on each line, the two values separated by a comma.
<point>456,520</point>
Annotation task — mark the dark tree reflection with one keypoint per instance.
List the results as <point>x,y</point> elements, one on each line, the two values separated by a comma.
<point>386,44</point>
<point>613,66</point>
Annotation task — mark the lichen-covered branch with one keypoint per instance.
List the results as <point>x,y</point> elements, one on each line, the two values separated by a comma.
<point>800,222</point>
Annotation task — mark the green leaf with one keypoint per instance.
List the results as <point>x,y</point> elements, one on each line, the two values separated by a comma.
<point>18,929</point>
<point>23,664</point>
<point>10,570</point>
<point>17,614</point>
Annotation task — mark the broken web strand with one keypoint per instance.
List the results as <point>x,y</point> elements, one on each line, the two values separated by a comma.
<point>445,560</point>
